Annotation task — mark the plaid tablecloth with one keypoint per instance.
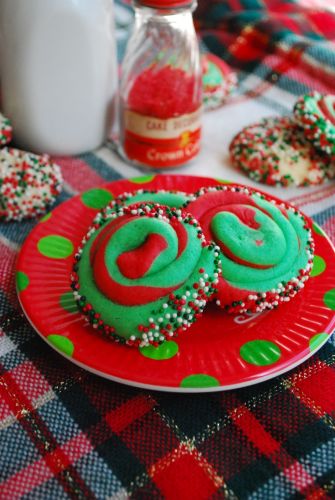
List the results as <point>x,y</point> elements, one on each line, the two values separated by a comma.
<point>65,433</point>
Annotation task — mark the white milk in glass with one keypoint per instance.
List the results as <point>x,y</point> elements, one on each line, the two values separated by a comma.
<point>58,72</point>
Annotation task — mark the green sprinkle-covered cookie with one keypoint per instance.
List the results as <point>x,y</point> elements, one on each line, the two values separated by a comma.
<point>29,183</point>
<point>218,81</point>
<point>6,130</point>
<point>315,113</point>
<point>144,273</point>
<point>266,248</point>
<point>276,152</point>
<point>168,198</point>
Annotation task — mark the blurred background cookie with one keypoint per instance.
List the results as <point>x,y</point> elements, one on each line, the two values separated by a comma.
<point>29,183</point>
<point>6,131</point>
<point>276,152</point>
<point>218,80</point>
<point>315,113</point>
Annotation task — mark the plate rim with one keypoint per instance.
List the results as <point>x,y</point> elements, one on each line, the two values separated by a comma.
<point>175,389</point>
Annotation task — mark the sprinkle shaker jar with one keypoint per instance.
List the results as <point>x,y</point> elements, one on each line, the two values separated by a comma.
<point>161,86</point>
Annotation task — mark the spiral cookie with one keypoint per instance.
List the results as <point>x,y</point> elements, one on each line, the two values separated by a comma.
<point>168,198</point>
<point>275,151</point>
<point>266,248</point>
<point>28,184</point>
<point>6,130</point>
<point>218,81</point>
<point>316,114</point>
<point>144,273</point>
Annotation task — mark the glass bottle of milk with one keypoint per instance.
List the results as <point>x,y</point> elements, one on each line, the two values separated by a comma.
<point>58,72</point>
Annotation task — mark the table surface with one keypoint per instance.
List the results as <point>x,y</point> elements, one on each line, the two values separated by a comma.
<point>65,433</point>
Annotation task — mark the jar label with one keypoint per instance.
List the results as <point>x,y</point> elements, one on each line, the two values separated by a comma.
<point>162,143</point>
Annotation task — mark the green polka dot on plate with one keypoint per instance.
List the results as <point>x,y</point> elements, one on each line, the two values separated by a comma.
<point>317,340</point>
<point>260,352</point>
<point>164,351</point>
<point>55,247</point>
<point>317,229</point>
<point>68,303</point>
<point>96,198</point>
<point>199,380</point>
<point>22,280</point>
<point>143,179</point>
<point>329,299</point>
<point>46,217</point>
<point>61,343</point>
<point>319,265</point>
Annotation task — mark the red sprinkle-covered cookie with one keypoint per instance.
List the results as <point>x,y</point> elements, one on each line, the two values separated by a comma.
<point>6,131</point>
<point>144,273</point>
<point>266,247</point>
<point>164,197</point>
<point>29,183</point>
<point>218,81</point>
<point>315,113</point>
<point>276,152</point>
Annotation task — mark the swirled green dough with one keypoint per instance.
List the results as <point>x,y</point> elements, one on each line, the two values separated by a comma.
<point>266,248</point>
<point>143,277</point>
<point>163,197</point>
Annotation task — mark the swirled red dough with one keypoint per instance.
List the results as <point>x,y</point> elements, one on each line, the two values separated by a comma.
<point>315,113</point>
<point>164,197</point>
<point>144,273</point>
<point>6,130</point>
<point>266,247</point>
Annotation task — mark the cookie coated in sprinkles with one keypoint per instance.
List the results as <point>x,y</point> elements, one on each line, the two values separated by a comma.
<point>218,81</point>
<point>315,113</point>
<point>259,270</point>
<point>29,183</point>
<point>171,314</point>
<point>276,152</point>
<point>6,130</point>
<point>169,198</point>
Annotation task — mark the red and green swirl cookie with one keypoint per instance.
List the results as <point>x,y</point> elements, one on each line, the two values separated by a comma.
<point>266,248</point>
<point>276,152</point>
<point>168,198</point>
<point>6,130</point>
<point>29,183</point>
<point>144,273</point>
<point>218,81</point>
<point>315,112</point>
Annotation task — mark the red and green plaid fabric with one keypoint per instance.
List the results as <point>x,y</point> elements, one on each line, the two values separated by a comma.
<point>65,433</point>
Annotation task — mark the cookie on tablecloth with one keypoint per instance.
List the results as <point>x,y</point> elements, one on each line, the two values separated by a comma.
<point>144,273</point>
<point>266,247</point>
<point>276,152</point>
<point>29,183</point>
<point>218,81</point>
<point>315,113</point>
<point>6,131</point>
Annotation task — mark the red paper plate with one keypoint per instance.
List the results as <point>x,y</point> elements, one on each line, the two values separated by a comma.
<point>219,352</point>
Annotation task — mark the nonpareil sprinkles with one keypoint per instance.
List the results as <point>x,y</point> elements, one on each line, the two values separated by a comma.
<point>29,183</point>
<point>162,117</point>
<point>144,273</point>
